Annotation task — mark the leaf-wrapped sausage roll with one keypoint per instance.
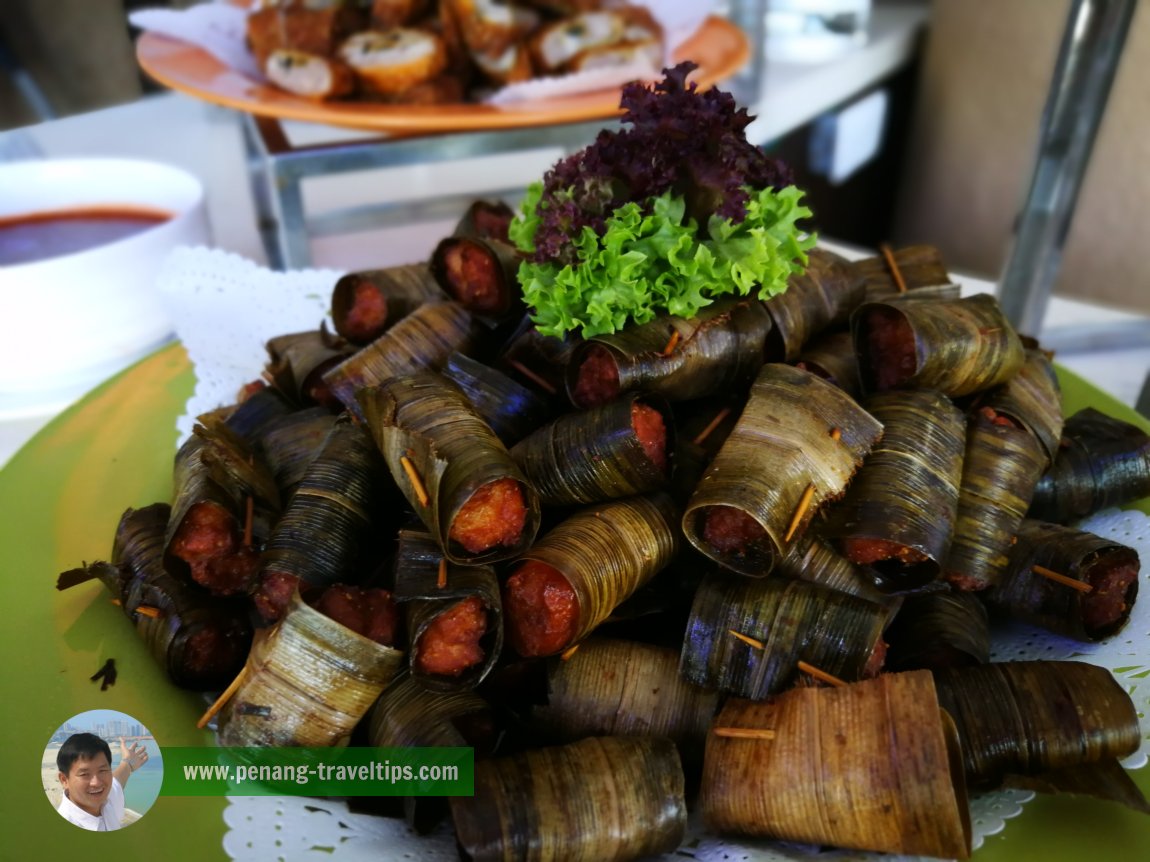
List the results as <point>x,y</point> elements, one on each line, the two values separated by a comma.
<point>798,435</point>
<point>872,766</point>
<point>510,409</point>
<point>1103,462</point>
<point>789,621</point>
<point>574,576</point>
<point>955,346</point>
<point>833,358</point>
<point>454,471</point>
<point>548,805</point>
<point>365,304</point>
<point>1108,567</point>
<point>919,266</point>
<point>478,273</point>
<point>822,296</point>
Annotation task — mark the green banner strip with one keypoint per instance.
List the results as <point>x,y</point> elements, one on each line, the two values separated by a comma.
<point>318,772</point>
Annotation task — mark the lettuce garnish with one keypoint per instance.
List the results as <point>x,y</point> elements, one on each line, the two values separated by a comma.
<point>664,216</point>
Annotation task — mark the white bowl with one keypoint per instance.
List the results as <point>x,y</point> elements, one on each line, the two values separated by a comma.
<point>68,322</point>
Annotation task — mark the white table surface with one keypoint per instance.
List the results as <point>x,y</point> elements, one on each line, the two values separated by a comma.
<point>206,140</point>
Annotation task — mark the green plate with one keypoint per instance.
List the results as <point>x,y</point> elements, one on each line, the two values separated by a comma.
<point>60,499</point>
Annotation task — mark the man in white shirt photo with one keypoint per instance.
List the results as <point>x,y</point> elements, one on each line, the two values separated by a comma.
<point>93,791</point>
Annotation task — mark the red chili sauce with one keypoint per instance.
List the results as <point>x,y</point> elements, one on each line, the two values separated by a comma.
<point>38,236</point>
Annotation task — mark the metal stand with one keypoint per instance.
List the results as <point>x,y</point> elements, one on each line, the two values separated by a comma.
<point>276,169</point>
<point>1091,47</point>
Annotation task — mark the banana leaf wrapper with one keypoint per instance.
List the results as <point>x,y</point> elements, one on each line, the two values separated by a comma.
<point>957,346</point>
<point>423,600</point>
<point>719,349</point>
<point>425,338</point>
<point>701,428</point>
<point>938,629</point>
<point>898,514</point>
<point>510,409</point>
<point>298,361</point>
<point>291,443</point>
<point>812,559</point>
<point>200,640</point>
<point>922,270</point>
<point>793,620</point>
<point>538,361</point>
<point>427,420</point>
<point>479,274</point>
<point>822,296</point>
<point>485,220</point>
<point>215,473</point>
<point>1111,568</point>
<point>1102,462</point>
<point>594,455</point>
<point>549,804</point>
<point>366,304</point>
<point>604,553</point>
<point>327,534</point>
<point>1105,780</point>
<point>1030,717</point>
<point>1033,399</point>
<point>832,357</point>
<point>782,444</point>
<point>612,687</point>
<point>254,415</point>
<point>407,715</point>
<point>1000,470</point>
<point>870,766</point>
<point>308,682</point>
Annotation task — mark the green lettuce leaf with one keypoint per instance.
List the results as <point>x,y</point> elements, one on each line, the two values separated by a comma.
<point>648,263</point>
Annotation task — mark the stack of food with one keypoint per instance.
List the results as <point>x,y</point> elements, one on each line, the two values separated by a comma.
<point>640,491</point>
<point>421,52</point>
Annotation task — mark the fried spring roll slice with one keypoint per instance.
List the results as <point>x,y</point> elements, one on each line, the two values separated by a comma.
<point>556,45</point>
<point>386,14</point>
<point>1028,717</point>
<point>574,576</point>
<point>454,471</point>
<point>1109,568</point>
<point>955,346</point>
<point>309,75</point>
<point>869,766</point>
<point>898,514</point>
<point>549,804</point>
<point>301,27</point>
<point>365,304</point>
<point>393,62</point>
<point>747,636</point>
<point>308,681</point>
<point>797,444</point>
<point>1103,461</point>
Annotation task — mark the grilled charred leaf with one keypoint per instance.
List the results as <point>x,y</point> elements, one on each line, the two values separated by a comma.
<point>898,514</point>
<point>1102,462</point>
<point>956,346</point>
<point>310,680</point>
<point>1033,400</point>
<point>1108,567</point>
<point>797,432</point>
<point>1000,469</point>
<point>200,640</point>
<point>423,339</point>
<point>812,559</point>
<point>871,766</point>
<point>573,577</point>
<point>680,359</point>
<point>366,304</point>
<point>298,362</point>
<point>793,620</point>
<point>549,803</point>
<point>822,296</point>
<point>616,450</point>
<point>510,409</point>
<point>291,443</point>
<point>454,622</point>
<point>1028,717</point>
<point>938,629</point>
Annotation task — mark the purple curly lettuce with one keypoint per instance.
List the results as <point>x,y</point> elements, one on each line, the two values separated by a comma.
<point>660,152</point>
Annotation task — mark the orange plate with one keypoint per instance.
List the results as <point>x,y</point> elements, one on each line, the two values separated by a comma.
<point>719,48</point>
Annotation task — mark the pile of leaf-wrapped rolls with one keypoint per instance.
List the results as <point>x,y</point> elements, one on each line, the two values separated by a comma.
<point>617,562</point>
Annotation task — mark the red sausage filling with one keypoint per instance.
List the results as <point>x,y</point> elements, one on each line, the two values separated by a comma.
<point>208,540</point>
<point>450,644</point>
<point>890,357</point>
<point>368,612</point>
<point>494,515</point>
<point>542,610</point>
<point>474,277</point>
<point>731,531</point>
<point>1107,604</point>
<point>598,380</point>
<point>652,433</point>
<point>367,317</point>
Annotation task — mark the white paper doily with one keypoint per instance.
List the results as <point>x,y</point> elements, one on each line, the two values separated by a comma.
<point>226,307</point>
